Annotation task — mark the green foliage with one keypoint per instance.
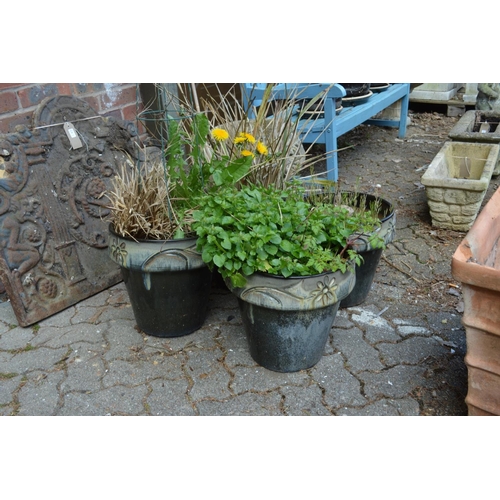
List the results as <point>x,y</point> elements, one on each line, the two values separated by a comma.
<point>276,231</point>
<point>184,170</point>
<point>208,154</point>
<point>156,200</point>
<point>366,211</point>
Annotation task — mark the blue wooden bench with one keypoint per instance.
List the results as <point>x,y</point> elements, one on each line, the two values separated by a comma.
<point>326,130</point>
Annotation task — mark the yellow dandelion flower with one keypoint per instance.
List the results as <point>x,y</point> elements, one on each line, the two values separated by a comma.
<point>261,148</point>
<point>219,134</point>
<point>244,137</point>
<point>249,137</point>
<point>245,152</point>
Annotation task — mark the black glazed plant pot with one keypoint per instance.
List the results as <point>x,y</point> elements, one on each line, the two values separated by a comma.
<point>355,89</point>
<point>286,341</point>
<point>167,282</point>
<point>316,111</point>
<point>356,93</point>
<point>287,321</point>
<point>365,273</point>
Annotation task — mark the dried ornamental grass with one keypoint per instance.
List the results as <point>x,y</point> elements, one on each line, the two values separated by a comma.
<point>275,127</point>
<point>278,153</point>
<point>140,203</point>
<point>204,151</point>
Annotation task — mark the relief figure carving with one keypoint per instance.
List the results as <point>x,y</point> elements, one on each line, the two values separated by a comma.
<point>53,232</point>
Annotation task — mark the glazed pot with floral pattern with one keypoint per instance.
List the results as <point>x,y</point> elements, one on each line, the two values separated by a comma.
<point>287,321</point>
<point>167,282</point>
<point>365,273</point>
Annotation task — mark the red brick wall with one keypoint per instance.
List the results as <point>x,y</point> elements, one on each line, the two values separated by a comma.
<point>19,100</point>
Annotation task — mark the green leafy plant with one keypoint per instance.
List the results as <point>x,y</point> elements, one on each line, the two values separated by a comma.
<point>154,199</point>
<point>203,152</point>
<point>366,210</point>
<point>275,231</point>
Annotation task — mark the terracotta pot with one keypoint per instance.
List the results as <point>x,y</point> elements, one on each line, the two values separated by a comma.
<point>476,264</point>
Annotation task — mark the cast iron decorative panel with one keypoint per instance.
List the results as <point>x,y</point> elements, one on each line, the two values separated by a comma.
<point>53,236</point>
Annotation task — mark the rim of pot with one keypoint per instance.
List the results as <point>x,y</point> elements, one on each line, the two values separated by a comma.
<point>145,240</point>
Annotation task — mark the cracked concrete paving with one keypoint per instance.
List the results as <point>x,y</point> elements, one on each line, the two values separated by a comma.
<point>70,366</point>
<point>401,352</point>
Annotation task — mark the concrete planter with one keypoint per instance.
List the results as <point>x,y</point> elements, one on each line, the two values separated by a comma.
<point>476,264</point>
<point>456,182</point>
<point>478,126</point>
<point>470,93</point>
<point>435,91</point>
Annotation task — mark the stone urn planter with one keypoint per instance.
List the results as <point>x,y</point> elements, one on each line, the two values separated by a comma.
<point>456,182</point>
<point>287,321</point>
<point>478,126</point>
<point>167,282</point>
<point>476,264</point>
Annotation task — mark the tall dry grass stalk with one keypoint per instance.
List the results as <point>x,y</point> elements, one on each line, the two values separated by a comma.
<point>141,205</point>
<point>155,201</point>
<point>276,124</point>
